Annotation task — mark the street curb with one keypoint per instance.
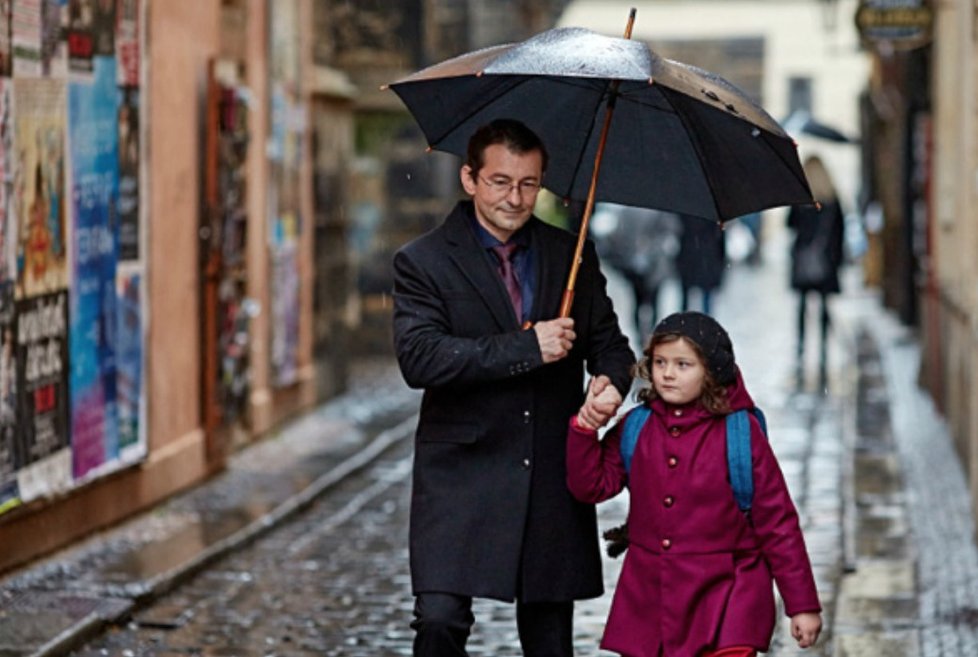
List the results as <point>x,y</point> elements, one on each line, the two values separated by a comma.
<point>139,594</point>
<point>849,428</point>
<point>877,591</point>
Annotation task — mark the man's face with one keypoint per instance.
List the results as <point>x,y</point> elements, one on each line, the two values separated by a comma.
<point>505,190</point>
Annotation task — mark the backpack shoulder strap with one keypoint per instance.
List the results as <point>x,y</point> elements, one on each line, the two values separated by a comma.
<point>739,464</point>
<point>756,412</point>
<point>634,422</point>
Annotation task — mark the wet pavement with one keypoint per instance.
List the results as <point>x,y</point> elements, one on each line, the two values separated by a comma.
<point>300,547</point>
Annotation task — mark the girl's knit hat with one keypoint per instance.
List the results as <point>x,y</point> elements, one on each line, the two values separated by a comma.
<point>709,336</point>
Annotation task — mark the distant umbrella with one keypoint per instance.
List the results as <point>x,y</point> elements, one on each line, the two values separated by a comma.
<point>802,122</point>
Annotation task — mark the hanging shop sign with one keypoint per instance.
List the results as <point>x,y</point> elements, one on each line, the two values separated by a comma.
<point>895,24</point>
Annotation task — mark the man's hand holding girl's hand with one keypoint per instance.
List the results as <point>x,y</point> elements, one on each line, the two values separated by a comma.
<point>602,402</point>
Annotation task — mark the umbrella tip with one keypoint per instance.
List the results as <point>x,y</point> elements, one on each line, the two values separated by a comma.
<point>428,149</point>
<point>631,23</point>
<point>384,87</point>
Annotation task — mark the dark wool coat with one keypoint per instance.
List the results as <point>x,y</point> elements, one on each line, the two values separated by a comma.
<point>491,515</point>
<point>824,228</point>
<point>698,573</point>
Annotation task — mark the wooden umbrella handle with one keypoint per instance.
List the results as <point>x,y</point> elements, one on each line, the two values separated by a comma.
<point>568,299</point>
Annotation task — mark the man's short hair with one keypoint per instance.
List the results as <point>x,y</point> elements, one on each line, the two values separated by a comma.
<point>512,134</point>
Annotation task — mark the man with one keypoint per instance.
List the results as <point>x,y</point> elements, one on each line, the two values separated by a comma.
<point>491,515</point>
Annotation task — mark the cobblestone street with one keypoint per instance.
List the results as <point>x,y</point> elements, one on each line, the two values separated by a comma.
<point>322,570</point>
<point>334,581</point>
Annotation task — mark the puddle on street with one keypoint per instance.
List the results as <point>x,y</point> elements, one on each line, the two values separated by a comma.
<point>182,545</point>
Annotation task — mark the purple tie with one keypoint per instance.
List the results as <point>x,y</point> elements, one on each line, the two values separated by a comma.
<point>505,253</point>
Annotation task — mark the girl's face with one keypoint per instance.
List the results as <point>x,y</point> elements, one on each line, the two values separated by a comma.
<point>678,374</point>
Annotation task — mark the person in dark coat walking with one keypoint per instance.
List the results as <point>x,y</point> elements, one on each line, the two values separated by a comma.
<point>641,244</point>
<point>701,261</point>
<point>491,515</point>
<point>816,254</point>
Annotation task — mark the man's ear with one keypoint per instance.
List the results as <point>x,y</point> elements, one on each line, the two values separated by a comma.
<point>467,179</point>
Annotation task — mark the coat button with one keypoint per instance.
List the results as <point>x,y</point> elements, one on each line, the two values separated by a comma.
<point>678,412</point>
<point>674,431</point>
<point>673,461</point>
<point>526,464</point>
<point>526,417</point>
<point>667,501</point>
<point>666,544</point>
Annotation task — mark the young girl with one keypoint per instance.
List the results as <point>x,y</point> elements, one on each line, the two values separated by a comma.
<point>696,581</point>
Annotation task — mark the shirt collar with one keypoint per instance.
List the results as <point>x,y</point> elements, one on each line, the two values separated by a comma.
<point>487,240</point>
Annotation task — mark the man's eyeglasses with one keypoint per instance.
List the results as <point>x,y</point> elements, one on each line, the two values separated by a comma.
<point>505,187</point>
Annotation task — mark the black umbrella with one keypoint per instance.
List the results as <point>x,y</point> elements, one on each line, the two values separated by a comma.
<point>802,122</point>
<point>683,139</point>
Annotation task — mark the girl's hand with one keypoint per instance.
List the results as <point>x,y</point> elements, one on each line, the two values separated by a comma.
<point>805,628</point>
<point>603,401</point>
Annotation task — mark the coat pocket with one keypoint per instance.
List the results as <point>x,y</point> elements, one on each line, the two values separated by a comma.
<point>460,433</point>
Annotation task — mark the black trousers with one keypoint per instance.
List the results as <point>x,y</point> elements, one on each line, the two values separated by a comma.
<point>443,621</point>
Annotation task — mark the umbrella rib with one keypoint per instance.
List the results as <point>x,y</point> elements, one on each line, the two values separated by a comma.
<point>590,133</point>
<point>706,172</point>
<point>699,155</point>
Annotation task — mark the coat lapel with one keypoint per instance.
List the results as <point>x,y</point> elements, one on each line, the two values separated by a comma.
<point>471,262</point>
<point>550,257</point>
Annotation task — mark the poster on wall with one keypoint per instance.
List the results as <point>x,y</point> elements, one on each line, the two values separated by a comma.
<point>10,459</point>
<point>54,48</point>
<point>6,49</point>
<point>128,208</point>
<point>81,35</point>
<point>286,128</point>
<point>285,230</point>
<point>127,42</point>
<point>8,220</point>
<point>285,315</point>
<point>129,364</point>
<point>25,35</point>
<point>41,353</point>
<point>38,185</point>
<point>103,27</point>
<point>92,108</point>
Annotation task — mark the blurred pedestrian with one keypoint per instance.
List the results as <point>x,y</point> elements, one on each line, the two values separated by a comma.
<point>491,515</point>
<point>641,244</point>
<point>698,576</point>
<point>701,261</point>
<point>816,254</point>
<point>752,222</point>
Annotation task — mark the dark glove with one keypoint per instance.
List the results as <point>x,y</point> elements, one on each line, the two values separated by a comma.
<point>617,538</point>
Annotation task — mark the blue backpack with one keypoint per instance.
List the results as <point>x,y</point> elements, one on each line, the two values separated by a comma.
<point>738,448</point>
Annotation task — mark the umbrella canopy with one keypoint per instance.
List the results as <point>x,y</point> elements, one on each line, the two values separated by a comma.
<point>682,139</point>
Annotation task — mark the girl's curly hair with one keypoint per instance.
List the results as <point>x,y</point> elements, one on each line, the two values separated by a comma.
<point>714,397</point>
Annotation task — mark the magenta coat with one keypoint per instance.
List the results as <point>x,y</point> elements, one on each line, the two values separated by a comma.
<point>698,573</point>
